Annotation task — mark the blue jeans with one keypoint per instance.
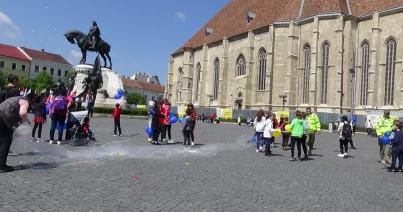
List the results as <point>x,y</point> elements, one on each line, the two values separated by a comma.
<point>259,139</point>
<point>57,121</point>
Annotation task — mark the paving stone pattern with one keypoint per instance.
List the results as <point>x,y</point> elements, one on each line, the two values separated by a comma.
<point>223,173</point>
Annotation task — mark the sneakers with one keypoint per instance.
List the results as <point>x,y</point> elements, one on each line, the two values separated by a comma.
<point>171,141</point>
<point>340,155</point>
<point>114,135</point>
<point>59,142</point>
<point>193,143</point>
<point>345,155</point>
<point>353,147</point>
<point>150,140</point>
<point>390,169</point>
<point>298,159</point>
<point>51,142</point>
<point>34,139</point>
<point>257,150</point>
<point>120,135</point>
<point>293,159</point>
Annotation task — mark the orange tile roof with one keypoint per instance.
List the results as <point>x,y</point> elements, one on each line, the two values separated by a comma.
<point>231,20</point>
<point>12,52</point>
<point>143,85</point>
<point>45,56</point>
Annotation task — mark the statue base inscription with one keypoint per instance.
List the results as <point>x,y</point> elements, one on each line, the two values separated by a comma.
<point>112,82</point>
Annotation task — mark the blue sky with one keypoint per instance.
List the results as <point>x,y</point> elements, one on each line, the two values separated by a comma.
<point>142,33</point>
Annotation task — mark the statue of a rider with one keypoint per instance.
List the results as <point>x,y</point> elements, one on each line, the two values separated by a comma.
<point>95,34</point>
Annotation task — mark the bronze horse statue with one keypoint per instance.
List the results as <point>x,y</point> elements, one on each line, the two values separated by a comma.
<point>84,43</point>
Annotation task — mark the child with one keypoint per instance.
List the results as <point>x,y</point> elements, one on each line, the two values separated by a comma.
<point>305,136</point>
<point>259,124</point>
<point>86,128</point>
<point>268,130</point>
<point>116,117</point>
<point>39,110</point>
<point>155,122</point>
<point>345,130</point>
<point>397,148</point>
<point>298,126</point>
<point>187,128</point>
<point>286,135</point>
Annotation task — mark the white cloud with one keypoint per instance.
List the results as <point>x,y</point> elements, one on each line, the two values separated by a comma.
<point>8,28</point>
<point>181,16</point>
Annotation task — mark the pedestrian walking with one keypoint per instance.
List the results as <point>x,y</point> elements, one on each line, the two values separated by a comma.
<point>383,125</point>
<point>187,128</point>
<point>39,110</point>
<point>268,130</point>
<point>397,149</point>
<point>345,131</point>
<point>116,120</point>
<point>155,123</point>
<point>259,125</point>
<point>297,125</point>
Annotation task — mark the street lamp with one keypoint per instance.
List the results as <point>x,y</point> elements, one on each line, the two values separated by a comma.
<point>284,98</point>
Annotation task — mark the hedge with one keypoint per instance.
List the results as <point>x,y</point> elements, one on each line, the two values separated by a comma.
<point>136,112</point>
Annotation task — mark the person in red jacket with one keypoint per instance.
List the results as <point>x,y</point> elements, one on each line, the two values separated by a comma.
<point>116,118</point>
<point>86,128</point>
<point>193,115</point>
<point>165,121</point>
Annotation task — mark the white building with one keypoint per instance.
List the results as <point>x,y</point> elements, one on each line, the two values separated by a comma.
<point>146,78</point>
<point>53,64</point>
<point>150,91</point>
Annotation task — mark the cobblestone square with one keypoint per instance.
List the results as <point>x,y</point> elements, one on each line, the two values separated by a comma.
<point>223,173</point>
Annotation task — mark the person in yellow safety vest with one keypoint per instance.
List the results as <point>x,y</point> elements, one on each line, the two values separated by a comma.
<point>314,128</point>
<point>383,125</point>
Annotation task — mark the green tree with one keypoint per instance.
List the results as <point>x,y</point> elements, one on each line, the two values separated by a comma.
<point>3,79</point>
<point>135,98</point>
<point>42,81</point>
<point>26,83</point>
<point>69,75</point>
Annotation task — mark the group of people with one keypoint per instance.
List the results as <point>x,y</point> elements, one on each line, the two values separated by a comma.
<point>303,131</point>
<point>15,105</point>
<point>160,123</point>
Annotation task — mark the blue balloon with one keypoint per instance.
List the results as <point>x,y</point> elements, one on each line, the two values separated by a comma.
<point>149,132</point>
<point>171,115</point>
<point>121,92</point>
<point>173,119</point>
<point>384,140</point>
<point>117,96</point>
<point>180,120</point>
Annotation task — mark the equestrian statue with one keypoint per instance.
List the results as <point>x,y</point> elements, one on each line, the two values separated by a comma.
<point>91,42</point>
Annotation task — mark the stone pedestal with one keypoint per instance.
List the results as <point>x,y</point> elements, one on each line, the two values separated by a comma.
<point>111,83</point>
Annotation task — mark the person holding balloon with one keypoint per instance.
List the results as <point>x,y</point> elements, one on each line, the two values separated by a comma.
<point>165,121</point>
<point>397,148</point>
<point>267,133</point>
<point>298,127</point>
<point>383,125</point>
<point>155,123</point>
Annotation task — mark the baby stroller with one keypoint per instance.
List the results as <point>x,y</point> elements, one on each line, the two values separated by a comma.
<point>74,125</point>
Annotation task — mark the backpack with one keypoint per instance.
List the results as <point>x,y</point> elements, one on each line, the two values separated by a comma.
<point>59,105</point>
<point>346,132</point>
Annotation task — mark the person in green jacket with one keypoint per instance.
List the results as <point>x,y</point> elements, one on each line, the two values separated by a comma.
<point>383,125</point>
<point>314,128</point>
<point>298,127</point>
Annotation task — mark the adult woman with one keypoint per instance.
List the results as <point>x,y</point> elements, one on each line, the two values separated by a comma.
<point>193,115</point>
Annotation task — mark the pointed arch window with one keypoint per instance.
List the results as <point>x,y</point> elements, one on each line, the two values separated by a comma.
<point>390,71</point>
<point>198,79</point>
<point>261,79</point>
<point>306,74</point>
<point>216,78</point>
<point>324,72</point>
<point>240,68</point>
<point>364,73</point>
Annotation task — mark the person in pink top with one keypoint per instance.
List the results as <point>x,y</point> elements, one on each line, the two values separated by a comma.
<point>165,121</point>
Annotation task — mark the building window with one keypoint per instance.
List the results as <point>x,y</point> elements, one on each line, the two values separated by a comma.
<point>364,73</point>
<point>325,74</point>
<point>198,78</point>
<point>240,68</point>
<point>261,79</point>
<point>44,69</point>
<point>65,73</point>
<point>36,69</point>
<point>23,67</point>
<point>390,71</point>
<point>52,71</point>
<point>13,66</point>
<point>59,72</point>
<point>1,64</point>
<point>216,78</point>
<point>306,74</point>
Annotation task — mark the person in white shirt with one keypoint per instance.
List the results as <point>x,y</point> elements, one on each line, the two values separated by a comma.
<point>268,130</point>
<point>345,134</point>
<point>260,122</point>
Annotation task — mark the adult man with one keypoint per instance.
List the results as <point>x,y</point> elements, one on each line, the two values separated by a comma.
<point>11,89</point>
<point>94,34</point>
<point>13,111</point>
<point>314,128</point>
<point>384,124</point>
